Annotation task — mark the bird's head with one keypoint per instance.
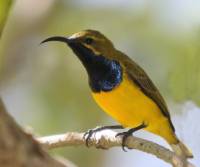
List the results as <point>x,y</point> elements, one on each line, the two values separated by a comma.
<point>95,52</point>
<point>90,40</point>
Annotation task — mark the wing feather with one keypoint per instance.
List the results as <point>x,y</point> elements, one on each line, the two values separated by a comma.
<point>142,80</point>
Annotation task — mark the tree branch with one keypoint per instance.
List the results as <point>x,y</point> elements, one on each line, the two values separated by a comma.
<point>18,148</point>
<point>106,139</point>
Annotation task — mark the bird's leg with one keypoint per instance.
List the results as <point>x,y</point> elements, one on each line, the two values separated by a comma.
<point>128,133</point>
<point>90,132</point>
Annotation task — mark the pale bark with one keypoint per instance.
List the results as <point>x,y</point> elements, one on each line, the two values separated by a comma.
<point>106,139</point>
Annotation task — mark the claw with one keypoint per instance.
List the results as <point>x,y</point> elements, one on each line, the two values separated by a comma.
<point>120,134</point>
<point>85,134</point>
<point>128,133</point>
<point>124,135</point>
<point>124,148</point>
<point>89,134</point>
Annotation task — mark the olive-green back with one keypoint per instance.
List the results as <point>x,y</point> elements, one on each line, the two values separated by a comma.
<point>142,80</point>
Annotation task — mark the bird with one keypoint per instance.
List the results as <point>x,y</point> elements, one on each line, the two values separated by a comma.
<point>122,89</point>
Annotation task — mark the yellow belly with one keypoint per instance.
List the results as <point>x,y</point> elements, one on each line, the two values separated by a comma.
<point>128,105</point>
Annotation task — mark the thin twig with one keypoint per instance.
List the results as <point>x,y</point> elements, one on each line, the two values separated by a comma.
<point>106,139</point>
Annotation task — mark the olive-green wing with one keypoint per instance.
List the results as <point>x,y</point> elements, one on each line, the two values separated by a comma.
<point>140,78</point>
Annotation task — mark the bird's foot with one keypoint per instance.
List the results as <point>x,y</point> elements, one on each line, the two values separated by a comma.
<point>128,133</point>
<point>87,135</point>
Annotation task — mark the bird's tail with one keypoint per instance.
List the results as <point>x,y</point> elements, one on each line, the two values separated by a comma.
<point>182,150</point>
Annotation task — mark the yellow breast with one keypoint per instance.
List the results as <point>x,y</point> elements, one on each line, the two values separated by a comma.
<point>130,106</point>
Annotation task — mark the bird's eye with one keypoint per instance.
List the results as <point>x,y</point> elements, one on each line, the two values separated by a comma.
<point>89,41</point>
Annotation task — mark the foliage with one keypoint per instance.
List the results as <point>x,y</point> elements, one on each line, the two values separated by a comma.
<point>4,10</point>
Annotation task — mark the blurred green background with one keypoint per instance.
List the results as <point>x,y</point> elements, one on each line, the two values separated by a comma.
<point>45,86</point>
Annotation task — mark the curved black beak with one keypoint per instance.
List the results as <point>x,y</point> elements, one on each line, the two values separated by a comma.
<point>57,38</point>
<point>82,52</point>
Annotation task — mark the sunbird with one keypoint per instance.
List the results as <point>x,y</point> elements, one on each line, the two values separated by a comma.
<point>122,89</point>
